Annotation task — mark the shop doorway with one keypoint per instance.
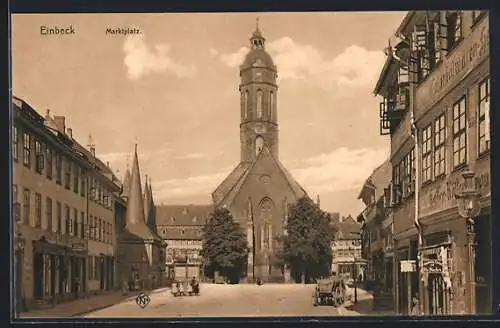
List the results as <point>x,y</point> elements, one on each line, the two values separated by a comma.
<point>438,295</point>
<point>38,275</point>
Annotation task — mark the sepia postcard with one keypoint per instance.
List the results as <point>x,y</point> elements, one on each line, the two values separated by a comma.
<point>326,164</point>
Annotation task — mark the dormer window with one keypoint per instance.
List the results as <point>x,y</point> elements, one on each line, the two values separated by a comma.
<point>182,232</point>
<point>172,219</point>
<point>184,211</point>
<point>195,219</point>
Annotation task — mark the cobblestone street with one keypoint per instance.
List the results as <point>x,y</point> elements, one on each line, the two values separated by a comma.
<point>236,300</point>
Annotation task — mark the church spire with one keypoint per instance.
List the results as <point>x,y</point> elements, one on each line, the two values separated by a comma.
<point>135,208</point>
<point>257,40</point>
<point>146,200</point>
<point>126,182</point>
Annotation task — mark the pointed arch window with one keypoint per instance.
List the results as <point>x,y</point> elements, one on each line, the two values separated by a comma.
<point>245,104</point>
<point>259,144</point>
<point>266,233</point>
<point>259,103</point>
<point>271,105</point>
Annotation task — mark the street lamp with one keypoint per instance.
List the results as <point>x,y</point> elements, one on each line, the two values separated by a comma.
<point>469,208</point>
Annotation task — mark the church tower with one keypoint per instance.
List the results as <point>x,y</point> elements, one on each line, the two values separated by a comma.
<point>258,88</point>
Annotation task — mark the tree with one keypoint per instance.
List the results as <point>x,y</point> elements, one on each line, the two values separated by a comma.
<point>306,248</point>
<point>224,246</point>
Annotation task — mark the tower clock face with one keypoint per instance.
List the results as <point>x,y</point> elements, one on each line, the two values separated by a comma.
<point>260,129</point>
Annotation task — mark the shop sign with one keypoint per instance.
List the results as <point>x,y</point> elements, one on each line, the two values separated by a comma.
<point>78,247</point>
<point>408,266</point>
<point>468,54</point>
<point>441,195</point>
<point>432,266</point>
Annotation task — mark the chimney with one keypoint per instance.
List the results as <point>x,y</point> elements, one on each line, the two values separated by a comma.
<point>91,146</point>
<point>69,132</point>
<point>47,116</point>
<point>60,122</point>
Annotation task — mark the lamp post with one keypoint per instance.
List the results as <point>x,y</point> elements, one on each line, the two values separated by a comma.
<point>469,208</point>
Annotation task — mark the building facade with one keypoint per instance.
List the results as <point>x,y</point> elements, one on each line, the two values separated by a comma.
<point>377,231</point>
<point>347,260</point>
<point>181,228</point>
<point>63,212</point>
<point>259,189</point>
<point>436,87</point>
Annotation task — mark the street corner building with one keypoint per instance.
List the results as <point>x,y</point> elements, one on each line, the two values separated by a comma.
<point>181,226</point>
<point>377,236</point>
<point>140,248</point>
<point>259,189</point>
<point>347,261</point>
<point>63,212</point>
<point>435,86</point>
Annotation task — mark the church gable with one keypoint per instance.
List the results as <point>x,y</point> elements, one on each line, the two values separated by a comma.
<point>265,178</point>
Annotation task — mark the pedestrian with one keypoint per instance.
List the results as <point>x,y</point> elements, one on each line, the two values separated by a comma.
<point>415,308</point>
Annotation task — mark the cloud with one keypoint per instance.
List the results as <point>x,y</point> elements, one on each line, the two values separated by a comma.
<point>192,156</point>
<point>354,67</point>
<point>142,60</point>
<point>341,169</point>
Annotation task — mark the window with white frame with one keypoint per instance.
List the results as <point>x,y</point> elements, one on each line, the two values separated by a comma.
<point>15,143</point>
<point>484,117</point>
<point>26,149</point>
<point>439,148</point>
<point>259,103</point>
<point>427,153</point>
<point>459,133</point>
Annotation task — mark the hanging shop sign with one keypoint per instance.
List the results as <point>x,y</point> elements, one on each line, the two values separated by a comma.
<point>408,266</point>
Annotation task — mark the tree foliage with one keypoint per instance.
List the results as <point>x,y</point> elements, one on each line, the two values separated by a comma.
<point>306,248</point>
<point>224,247</point>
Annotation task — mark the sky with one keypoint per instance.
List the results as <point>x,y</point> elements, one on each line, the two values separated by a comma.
<point>173,90</point>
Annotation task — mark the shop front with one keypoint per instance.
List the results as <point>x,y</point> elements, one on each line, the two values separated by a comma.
<point>57,272</point>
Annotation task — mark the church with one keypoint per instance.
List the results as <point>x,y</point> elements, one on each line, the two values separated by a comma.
<point>259,189</point>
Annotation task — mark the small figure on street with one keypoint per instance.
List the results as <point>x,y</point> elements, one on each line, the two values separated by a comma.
<point>259,281</point>
<point>181,288</point>
<point>415,308</point>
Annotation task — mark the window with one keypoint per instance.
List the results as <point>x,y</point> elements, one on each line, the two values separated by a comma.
<point>427,154</point>
<point>454,29</point>
<point>99,236</point>
<point>271,105</point>
<point>48,170</point>
<point>97,267</point>
<point>15,143</point>
<point>245,104</point>
<point>75,222</point>
<point>26,205</point>
<point>59,162</point>
<point>439,148</point>
<point>82,225</point>
<point>38,210</point>
<point>259,103</point>
<point>484,117</point>
<point>15,198</point>
<point>68,220</point>
<point>26,149</point>
<point>59,217</point>
<point>76,182</point>
<point>48,211</point>
<point>459,134</point>
<point>83,178</point>
<point>39,158</point>
<point>259,143</point>
<point>67,181</point>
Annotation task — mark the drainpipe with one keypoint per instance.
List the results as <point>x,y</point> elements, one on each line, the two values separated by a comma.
<point>415,135</point>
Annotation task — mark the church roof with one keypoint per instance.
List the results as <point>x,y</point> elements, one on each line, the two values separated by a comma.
<point>233,191</point>
<point>126,183</point>
<point>229,182</point>
<point>182,215</point>
<point>134,219</point>
<point>147,201</point>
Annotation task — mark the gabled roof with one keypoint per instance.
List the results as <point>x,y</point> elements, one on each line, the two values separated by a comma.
<point>229,182</point>
<point>294,185</point>
<point>378,180</point>
<point>182,215</point>
<point>187,234</point>
<point>348,230</point>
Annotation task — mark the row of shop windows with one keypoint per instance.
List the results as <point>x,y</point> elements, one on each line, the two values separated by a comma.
<point>98,230</point>
<point>56,166</point>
